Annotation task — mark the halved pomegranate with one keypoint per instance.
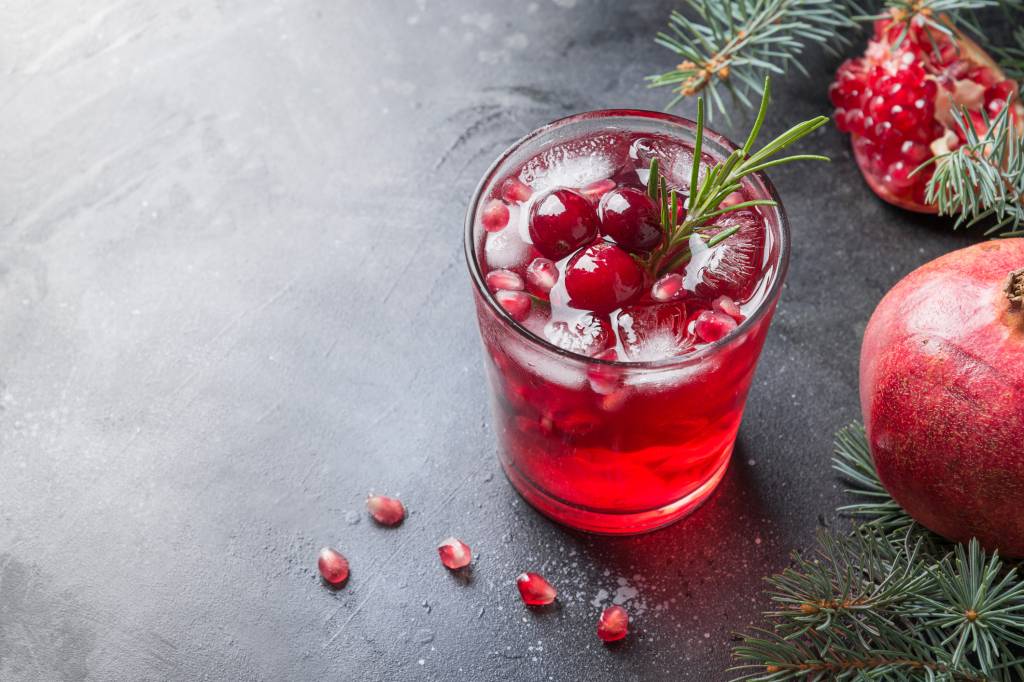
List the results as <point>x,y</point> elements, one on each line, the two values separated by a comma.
<point>898,102</point>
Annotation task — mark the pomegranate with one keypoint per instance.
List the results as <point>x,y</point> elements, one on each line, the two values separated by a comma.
<point>898,100</point>
<point>613,624</point>
<point>387,511</point>
<point>942,392</point>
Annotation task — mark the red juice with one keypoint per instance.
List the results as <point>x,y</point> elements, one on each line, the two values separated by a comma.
<point>617,387</point>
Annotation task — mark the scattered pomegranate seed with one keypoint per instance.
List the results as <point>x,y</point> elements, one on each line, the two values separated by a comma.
<point>503,279</point>
<point>541,275</point>
<point>387,511</point>
<point>333,566</point>
<point>596,190</point>
<point>724,304</point>
<point>711,325</point>
<point>668,287</point>
<point>515,303</point>
<point>535,590</point>
<point>515,190</point>
<point>494,216</point>
<point>613,624</point>
<point>732,200</point>
<point>454,553</point>
<point>561,222</point>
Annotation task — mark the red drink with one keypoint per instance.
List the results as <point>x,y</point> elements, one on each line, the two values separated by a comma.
<point>617,385</point>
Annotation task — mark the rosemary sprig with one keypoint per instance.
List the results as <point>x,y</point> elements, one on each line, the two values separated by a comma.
<point>983,179</point>
<point>888,600</point>
<point>706,197</point>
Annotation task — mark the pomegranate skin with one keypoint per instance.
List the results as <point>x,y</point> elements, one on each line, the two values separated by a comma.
<point>942,394</point>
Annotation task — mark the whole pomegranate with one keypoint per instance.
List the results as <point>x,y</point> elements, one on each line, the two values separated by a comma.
<point>942,392</point>
<point>898,100</point>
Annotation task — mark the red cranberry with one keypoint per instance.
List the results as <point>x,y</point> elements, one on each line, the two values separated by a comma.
<point>631,218</point>
<point>515,190</point>
<point>596,190</point>
<point>387,511</point>
<point>613,624</point>
<point>541,275</point>
<point>503,279</point>
<point>535,590</point>
<point>724,304</point>
<point>562,222</point>
<point>454,553</point>
<point>711,326</point>
<point>333,566</point>
<point>668,287</point>
<point>494,216</point>
<point>516,303</point>
<point>602,277</point>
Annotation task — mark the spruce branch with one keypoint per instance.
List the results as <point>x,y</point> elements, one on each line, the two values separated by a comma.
<point>733,44</point>
<point>887,600</point>
<point>1011,57</point>
<point>983,179</point>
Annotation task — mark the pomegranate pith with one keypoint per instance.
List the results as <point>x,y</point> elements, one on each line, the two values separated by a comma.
<point>897,103</point>
<point>613,624</point>
<point>333,566</point>
<point>535,590</point>
<point>387,511</point>
<point>942,393</point>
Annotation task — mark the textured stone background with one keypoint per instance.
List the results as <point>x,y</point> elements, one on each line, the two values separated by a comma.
<point>232,301</point>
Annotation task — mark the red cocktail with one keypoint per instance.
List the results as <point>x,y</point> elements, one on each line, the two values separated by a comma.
<point>619,368</point>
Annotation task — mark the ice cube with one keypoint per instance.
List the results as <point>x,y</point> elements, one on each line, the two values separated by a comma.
<point>654,332</point>
<point>575,163</point>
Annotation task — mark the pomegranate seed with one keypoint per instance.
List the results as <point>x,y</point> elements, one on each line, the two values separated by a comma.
<point>710,326</point>
<point>541,275</point>
<point>561,222</point>
<point>733,199</point>
<point>494,216</point>
<point>603,379</point>
<point>613,624</point>
<point>387,511</point>
<point>515,190</point>
<point>535,590</point>
<point>515,303</point>
<point>333,566</point>
<point>503,279</point>
<point>602,277</point>
<point>454,553</point>
<point>724,304</point>
<point>631,219</point>
<point>596,190</point>
<point>668,287</point>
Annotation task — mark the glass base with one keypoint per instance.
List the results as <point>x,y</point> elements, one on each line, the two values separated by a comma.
<point>609,523</point>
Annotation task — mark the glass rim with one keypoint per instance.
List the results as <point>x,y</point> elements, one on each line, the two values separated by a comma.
<point>770,296</point>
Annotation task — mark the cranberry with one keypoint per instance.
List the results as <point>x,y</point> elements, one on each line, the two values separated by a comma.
<point>515,190</point>
<point>541,275</point>
<point>712,325</point>
<point>668,287</point>
<point>333,566</point>
<point>454,553</point>
<point>535,590</point>
<point>596,190</point>
<point>561,222</point>
<point>387,511</point>
<point>494,216</point>
<point>516,303</point>
<point>586,335</point>
<point>631,218</point>
<point>503,279</point>
<point>602,277</point>
<point>613,624</point>
<point>724,304</point>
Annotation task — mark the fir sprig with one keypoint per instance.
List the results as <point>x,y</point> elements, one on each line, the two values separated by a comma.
<point>983,179</point>
<point>888,600</point>
<point>708,192</point>
<point>1011,57</point>
<point>732,44</point>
